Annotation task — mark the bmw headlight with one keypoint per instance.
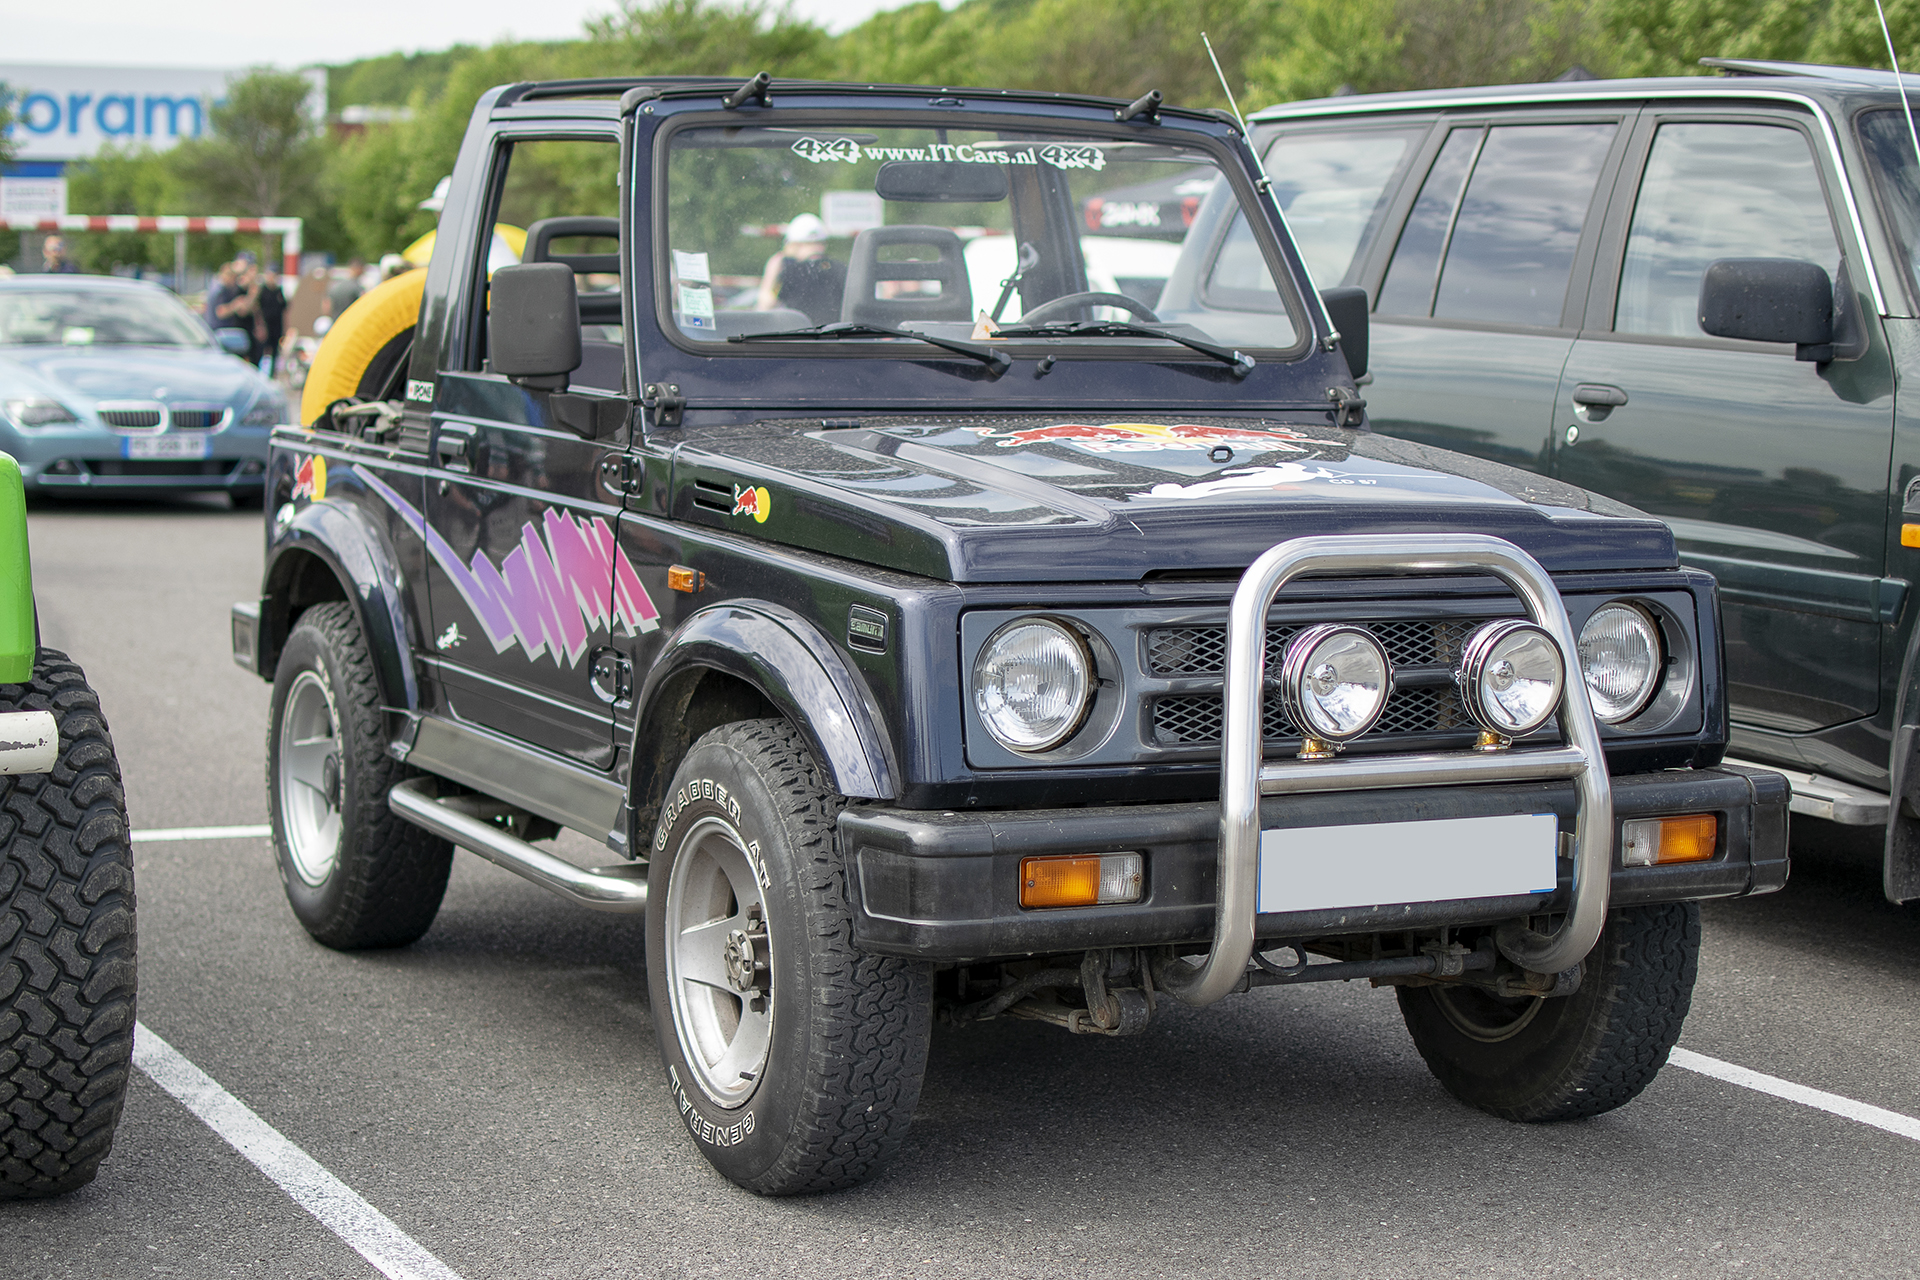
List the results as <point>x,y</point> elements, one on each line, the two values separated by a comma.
<point>40,411</point>
<point>1621,658</point>
<point>1510,677</point>
<point>1335,681</point>
<point>267,411</point>
<point>1032,684</point>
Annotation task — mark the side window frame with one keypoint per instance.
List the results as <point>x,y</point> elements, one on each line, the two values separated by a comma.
<point>1600,207</point>
<point>1603,295</point>
<point>1387,212</point>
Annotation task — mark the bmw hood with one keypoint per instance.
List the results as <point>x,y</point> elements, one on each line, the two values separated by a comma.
<point>1049,500</point>
<point>81,376</point>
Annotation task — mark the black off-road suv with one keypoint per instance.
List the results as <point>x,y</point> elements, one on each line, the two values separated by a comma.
<point>933,538</point>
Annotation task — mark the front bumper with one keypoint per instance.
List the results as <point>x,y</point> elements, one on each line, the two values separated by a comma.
<point>92,460</point>
<point>946,886</point>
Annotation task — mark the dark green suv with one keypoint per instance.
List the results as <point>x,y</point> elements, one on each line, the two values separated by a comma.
<point>1696,295</point>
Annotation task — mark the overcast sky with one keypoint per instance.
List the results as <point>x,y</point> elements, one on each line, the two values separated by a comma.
<point>221,33</point>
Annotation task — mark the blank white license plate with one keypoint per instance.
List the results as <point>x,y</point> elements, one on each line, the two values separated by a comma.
<point>1383,864</point>
<point>167,446</point>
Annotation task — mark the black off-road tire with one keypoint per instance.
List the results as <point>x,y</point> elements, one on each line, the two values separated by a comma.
<point>847,1045</point>
<point>1537,1060</point>
<point>66,945</point>
<point>385,881</point>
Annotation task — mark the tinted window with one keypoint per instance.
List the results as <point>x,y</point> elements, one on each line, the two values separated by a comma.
<point>1513,240</point>
<point>1408,289</point>
<point>1331,186</point>
<point>1890,154</point>
<point>1717,191</point>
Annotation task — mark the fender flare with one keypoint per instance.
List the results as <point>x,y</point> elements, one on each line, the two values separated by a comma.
<point>359,334</point>
<point>356,552</point>
<point>1900,868</point>
<point>797,670</point>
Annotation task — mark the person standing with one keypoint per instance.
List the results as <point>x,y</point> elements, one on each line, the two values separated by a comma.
<point>229,306</point>
<point>345,290</point>
<point>270,320</point>
<point>801,276</point>
<point>54,258</point>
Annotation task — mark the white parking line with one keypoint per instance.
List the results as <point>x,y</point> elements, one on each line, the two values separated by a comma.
<point>202,833</point>
<point>1819,1099</point>
<point>371,1234</point>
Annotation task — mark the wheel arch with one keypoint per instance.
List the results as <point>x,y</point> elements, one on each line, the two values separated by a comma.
<point>329,551</point>
<point>741,661</point>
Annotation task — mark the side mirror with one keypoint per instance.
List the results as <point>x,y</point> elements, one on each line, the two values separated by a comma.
<point>533,325</point>
<point>1347,308</point>
<point>1770,300</point>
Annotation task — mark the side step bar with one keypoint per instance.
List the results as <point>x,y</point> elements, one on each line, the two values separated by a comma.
<point>1822,797</point>
<point>459,819</point>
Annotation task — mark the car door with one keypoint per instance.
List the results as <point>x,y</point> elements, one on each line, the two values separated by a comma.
<point>1772,472</point>
<point>521,585</point>
<point>1477,296</point>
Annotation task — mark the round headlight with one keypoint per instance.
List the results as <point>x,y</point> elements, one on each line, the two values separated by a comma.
<point>1621,658</point>
<point>1335,681</point>
<point>1511,676</point>
<point>1032,684</point>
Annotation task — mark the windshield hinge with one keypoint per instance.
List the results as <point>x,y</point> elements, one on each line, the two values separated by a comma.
<point>1348,405</point>
<point>664,404</point>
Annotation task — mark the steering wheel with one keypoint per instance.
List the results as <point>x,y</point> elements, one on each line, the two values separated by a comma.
<point>1056,308</point>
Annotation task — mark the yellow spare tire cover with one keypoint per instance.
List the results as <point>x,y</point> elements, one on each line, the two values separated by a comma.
<point>376,318</point>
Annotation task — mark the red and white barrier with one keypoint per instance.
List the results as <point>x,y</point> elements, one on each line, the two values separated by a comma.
<point>288,229</point>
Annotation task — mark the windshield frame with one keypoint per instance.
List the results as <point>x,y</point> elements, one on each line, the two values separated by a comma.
<point>864,116</point>
<point>110,296</point>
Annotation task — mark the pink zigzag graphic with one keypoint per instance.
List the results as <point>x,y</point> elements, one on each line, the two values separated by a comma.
<point>548,594</point>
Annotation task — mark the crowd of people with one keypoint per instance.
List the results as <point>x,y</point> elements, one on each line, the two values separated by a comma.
<point>246,298</point>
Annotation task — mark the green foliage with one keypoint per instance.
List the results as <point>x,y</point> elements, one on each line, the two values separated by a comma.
<point>699,37</point>
<point>392,79</point>
<point>135,180</point>
<point>262,153</point>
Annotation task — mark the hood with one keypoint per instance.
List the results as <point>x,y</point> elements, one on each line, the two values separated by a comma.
<point>1045,500</point>
<point>79,376</point>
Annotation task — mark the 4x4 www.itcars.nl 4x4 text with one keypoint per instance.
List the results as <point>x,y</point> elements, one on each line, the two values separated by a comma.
<point>933,539</point>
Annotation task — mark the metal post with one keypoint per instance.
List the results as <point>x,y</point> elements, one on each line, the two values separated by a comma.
<point>179,262</point>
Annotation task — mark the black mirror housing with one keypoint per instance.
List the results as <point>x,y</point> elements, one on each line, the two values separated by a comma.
<point>1770,300</point>
<point>533,324</point>
<point>1347,307</point>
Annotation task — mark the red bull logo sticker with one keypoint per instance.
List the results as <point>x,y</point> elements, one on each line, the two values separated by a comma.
<point>1150,437</point>
<point>757,503</point>
<point>310,481</point>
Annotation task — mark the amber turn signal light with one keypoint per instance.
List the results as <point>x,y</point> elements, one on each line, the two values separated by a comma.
<point>681,578</point>
<point>1910,535</point>
<point>1080,880</point>
<point>1648,842</point>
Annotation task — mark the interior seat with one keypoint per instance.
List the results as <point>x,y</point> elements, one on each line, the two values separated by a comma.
<point>867,272</point>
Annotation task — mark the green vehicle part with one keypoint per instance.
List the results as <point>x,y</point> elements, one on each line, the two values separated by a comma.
<point>16,579</point>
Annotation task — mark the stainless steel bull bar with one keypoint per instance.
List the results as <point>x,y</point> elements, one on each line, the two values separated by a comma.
<point>1245,776</point>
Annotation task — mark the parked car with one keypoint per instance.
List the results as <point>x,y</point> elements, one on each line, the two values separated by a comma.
<point>110,385</point>
<point>1698,296</point>
<point>66,900</point>
<point>905,666</point>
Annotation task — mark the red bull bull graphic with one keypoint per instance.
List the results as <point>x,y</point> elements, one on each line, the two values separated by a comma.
<point>1150,437</point>
<point>757,503</point>
<point>310,481</point>
<point>550,593</point>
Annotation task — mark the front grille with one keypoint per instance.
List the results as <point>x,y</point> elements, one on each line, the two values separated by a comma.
<point>131,418</point>
<point>160,467</point>
<point>1195,719</point>
<point>198,417</point>
<point>1409,642</point>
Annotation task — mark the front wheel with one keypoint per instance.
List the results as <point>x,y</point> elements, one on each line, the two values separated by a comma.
<point>1535,1059</point>
<point>356,873</point>
<point>794,1060</point>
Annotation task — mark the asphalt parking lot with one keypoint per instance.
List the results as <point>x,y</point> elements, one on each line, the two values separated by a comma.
<point>493,1091</point>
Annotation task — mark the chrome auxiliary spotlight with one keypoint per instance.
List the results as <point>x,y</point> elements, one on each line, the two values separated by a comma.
<point>1511,676</point>
<point>1335,681</point>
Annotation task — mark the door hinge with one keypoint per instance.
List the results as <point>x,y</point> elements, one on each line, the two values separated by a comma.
<point>611,676</point>
<point>620,474</point>
<point>1348,405</point>
<point>664,404</point>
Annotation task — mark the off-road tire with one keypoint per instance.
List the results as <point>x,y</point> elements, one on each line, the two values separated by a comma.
<point>385,883</point>
<point>849,1031</point>
<point>66,945</point>
<point>1575,1056</point>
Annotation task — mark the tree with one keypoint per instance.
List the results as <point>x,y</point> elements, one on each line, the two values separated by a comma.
<point>263,152</point>
<point>131,180</point>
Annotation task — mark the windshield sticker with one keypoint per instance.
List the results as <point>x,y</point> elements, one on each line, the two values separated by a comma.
<point>1246,479</point>
<point>757,503</point>
<point>1061,155</point>
<point>1149,437</point>
<point>692,268</point>
<point>310,481</point>
<point>696,306</point>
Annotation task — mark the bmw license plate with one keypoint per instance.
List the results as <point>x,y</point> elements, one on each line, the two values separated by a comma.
<point>170,447</point>
<point>1381,864</point>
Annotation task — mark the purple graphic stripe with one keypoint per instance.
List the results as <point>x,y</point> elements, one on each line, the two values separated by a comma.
<point>549,594</point>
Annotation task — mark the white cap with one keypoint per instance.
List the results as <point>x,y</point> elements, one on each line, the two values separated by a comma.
<point>806,229</point>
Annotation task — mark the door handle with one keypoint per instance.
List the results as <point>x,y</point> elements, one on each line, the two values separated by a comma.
<point>1594,395</point>
<point>452,448</point>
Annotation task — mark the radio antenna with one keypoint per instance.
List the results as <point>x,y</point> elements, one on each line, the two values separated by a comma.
<point>1265,185</point>
<point>1899,80</point>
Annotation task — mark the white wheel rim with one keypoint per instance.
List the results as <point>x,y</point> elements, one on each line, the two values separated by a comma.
<point>715,927</point>
<point>310,778</point>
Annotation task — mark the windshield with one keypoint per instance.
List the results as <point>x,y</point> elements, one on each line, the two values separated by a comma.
<point>960,234</point>
<point>95,317</point>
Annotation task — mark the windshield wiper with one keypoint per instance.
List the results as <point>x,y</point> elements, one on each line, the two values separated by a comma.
<point>1242,364</point>
<point>998,361</point>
